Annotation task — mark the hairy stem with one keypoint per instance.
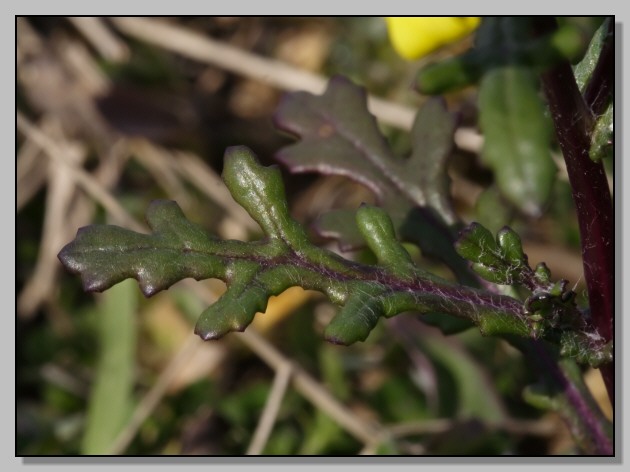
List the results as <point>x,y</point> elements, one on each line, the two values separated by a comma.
<point>578,409</point>
<point>573,121</point>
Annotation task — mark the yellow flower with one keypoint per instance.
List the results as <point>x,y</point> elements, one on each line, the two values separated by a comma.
<point>417,36</point>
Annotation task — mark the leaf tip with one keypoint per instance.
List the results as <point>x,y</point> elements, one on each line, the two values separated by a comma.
<point>149,290</point>
<point>65,258</point>
<point>215,322</point>
<point>208,334</point>
<point>238,156</point>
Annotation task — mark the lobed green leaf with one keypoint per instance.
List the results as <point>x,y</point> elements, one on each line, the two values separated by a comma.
<point>104,255</point>
<point>339,136</point>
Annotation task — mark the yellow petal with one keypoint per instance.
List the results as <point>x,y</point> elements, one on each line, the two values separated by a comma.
<point>417,36</point>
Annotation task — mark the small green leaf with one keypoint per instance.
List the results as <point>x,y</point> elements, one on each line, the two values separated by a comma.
<point>497,274</point>
<point>558,288</point>
<point>603,135</point>
<point>477,244</point>
<point>511,247</point>
<point>542,274</point>
<point>517,137</point>
<point>597,353</point>
<point>584,69</point>
<point>501,261</point>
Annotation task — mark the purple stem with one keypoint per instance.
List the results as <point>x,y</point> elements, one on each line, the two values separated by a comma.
<point>573,121</point>
<point>581,420</point>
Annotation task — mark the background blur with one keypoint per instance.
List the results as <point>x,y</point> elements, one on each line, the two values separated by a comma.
<point>113,113</point>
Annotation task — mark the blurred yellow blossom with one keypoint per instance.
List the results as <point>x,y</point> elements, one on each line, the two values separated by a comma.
<point>417,36</point>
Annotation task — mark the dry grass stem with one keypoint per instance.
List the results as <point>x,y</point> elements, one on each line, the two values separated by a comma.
<point>269,71</point>
<point>313,391</point>
<point>160,164</point>
<point>30,174</point>
<point>55,231</point>
<point>80,63</point>
<point>270,412</point>
<point>99,35</point>
<point>80,176</point>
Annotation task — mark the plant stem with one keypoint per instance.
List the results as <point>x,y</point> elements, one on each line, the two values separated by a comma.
<point>576,405</point>
<point>573,121</point>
